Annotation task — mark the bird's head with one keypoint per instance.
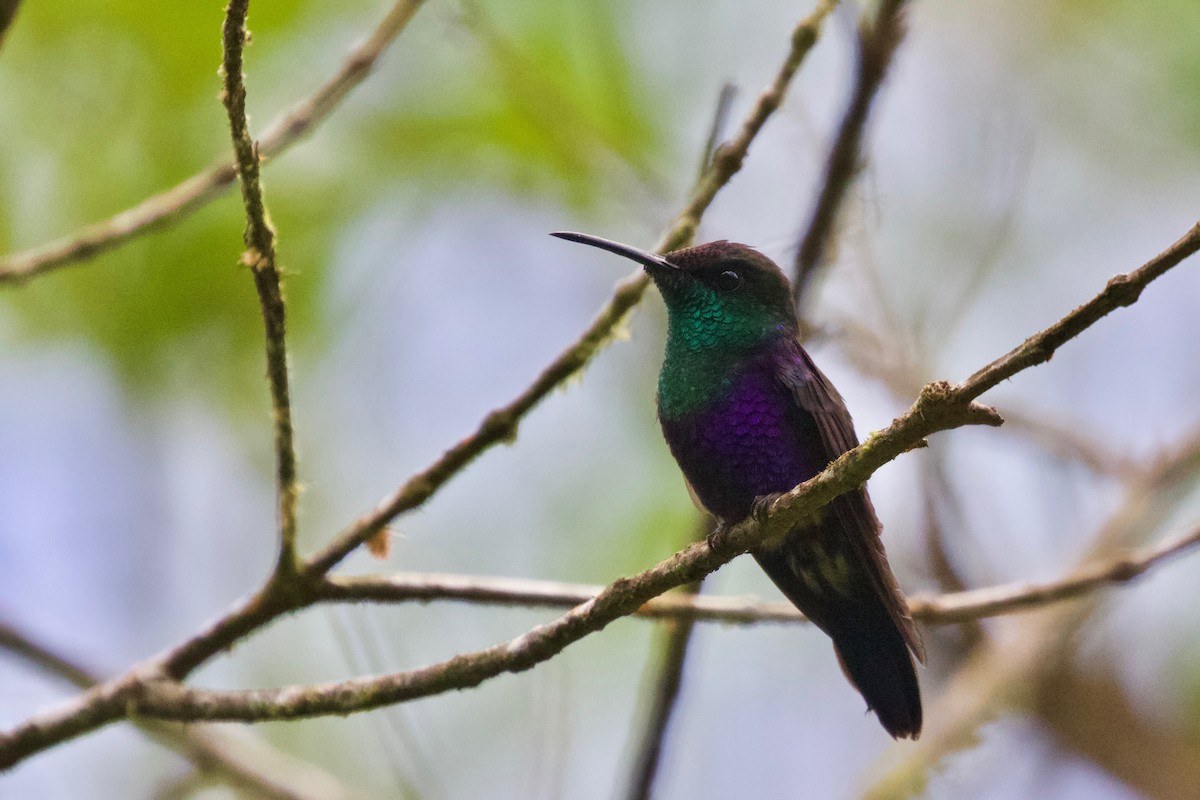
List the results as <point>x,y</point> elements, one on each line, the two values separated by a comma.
<point>720,295</point>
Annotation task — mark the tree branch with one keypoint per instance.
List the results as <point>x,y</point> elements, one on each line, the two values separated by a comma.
<point>42,657</point>
<point>667,681</point>
<point>944,609</point>
<point>173,205</point>
<point>651,741</point>
<point>260,258</point>
<point>876,358</point>
<point>1121,290</point>
<point>248,764</point>
<point>877,42</point>
<point>997,600</point>
<point>426,587</point>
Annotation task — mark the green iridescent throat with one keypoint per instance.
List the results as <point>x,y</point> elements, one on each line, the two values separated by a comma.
<point>706,338</point>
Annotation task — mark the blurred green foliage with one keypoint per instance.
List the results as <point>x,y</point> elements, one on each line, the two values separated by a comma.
<point>1136,61</point>
<point>106,104</point>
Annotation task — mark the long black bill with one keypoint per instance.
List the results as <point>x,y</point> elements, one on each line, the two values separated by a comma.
<point>643,257</point>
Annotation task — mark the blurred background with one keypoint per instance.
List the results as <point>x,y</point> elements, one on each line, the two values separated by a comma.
<point>1019,155</point>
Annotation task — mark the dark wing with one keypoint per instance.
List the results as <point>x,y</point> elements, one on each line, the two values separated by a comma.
<point>815,395</point>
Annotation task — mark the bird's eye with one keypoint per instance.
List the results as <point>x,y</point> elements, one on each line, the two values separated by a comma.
<point>728,281</point>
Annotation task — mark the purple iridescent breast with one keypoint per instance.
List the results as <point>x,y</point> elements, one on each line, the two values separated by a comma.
<point>751,440</point>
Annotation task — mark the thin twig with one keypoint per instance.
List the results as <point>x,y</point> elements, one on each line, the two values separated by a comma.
<point>241,761</point>
<point>39,655</point>
<point>149,692</point>
<point>667,683</point>
<point>943,609</point>
<point>174,204</point>
<point>651,745</point>
<point>260,258</point>
<point>876,358</point>
<point>878,39</point>
<point>528,593</point>
<point>943,513</point>
<point>501,424</point>
<point>717,129</point>
<point>976,604</point>
<point>727,159</point>
<point>1121,290</point>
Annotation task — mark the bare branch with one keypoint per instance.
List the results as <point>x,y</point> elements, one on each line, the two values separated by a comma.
<point>152,694</point>
<point>260,258</point>
<point>241,761</point>
<point>717,129</point>
<point>727,159</point>
<point>1121,290</point>
<point>42,657</point>
<point>667,682</point>
<point>663,700</point>
<point>994,601</point>
<point>171,700</point>
<point>943,609</point>
<point>878,39</point>
<point>173,205</point>
<point>881,360</point>
<point>527,593</point>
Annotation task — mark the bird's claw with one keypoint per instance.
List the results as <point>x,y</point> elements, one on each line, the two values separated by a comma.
<point>762,506</point>
<point>716,537</point>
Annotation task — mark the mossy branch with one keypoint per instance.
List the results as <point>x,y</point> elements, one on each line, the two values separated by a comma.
<point>260,257</point>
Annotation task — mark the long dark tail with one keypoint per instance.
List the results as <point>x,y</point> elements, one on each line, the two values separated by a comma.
<point>855,600</point>
<point>876,660</point>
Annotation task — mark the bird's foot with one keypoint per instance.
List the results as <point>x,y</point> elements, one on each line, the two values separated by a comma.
<point>716,537</point>
<point>762,506</point>
<point>759,513</point>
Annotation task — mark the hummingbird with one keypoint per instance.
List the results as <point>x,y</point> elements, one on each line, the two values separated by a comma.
<point>747,415</point>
